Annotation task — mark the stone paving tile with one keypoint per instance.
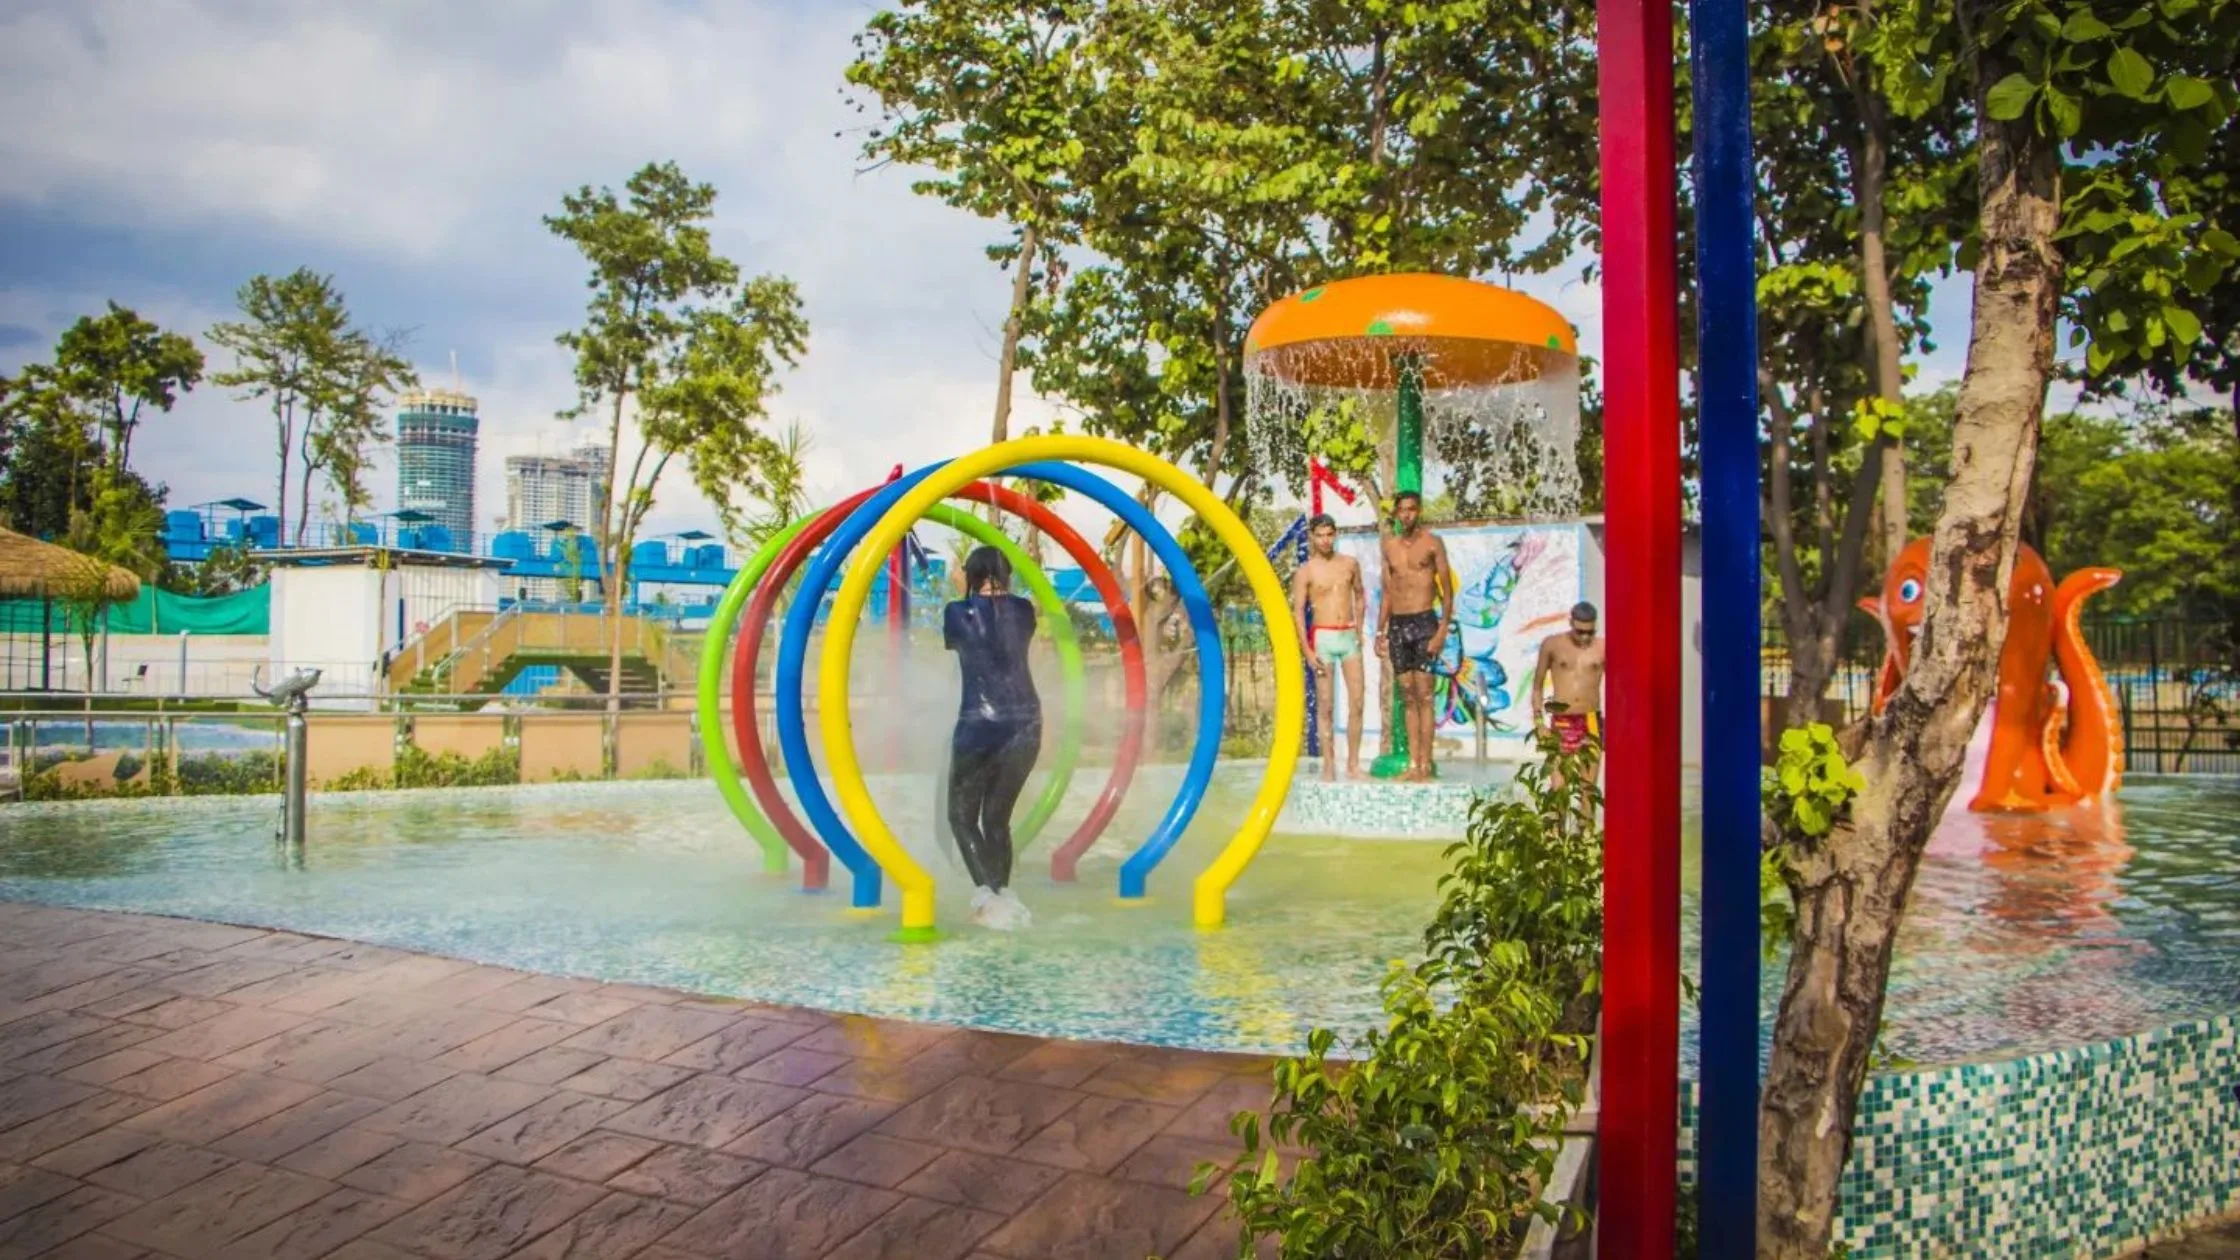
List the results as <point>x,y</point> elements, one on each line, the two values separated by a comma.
<point>792,1066</point>
<point>22,1189</point>
<point>551,1065</point>
<point>30,1097</point>
<point>627,1079</point>
<point>784,1215</point>
<point>95,1247</point>
<point>741,1043</point>
<point>200,1092</point>
<point>235,1030</point>
<point>491,1215</point>
<point>891,1080</point>
<point>60,1059</point>
<point>59,1220</point>
<point>508,1044</point>
<point>169,1079</point>
<point>95,1150</point>
<point>213,1111</point>
<point>158,1170</point>
<point>318,1228</point>
<point>201,1219</point>
<point>179,1012</point>
<point>414,1171</point>
<point>919,1229</point>
<point>454,1109</point>
<point>222,977</point>
<point>392,1079</point>
<point>543,1127</point>
<point>877,1159</point>
<point>686,1174</point>
<point>649,1032</point>
<point>581,1008</point>
<point>1096,1134</point>
<point>867,1038</point>
<point>988,1182</point>
<point>80,1119</point>
<point>1153,1080</point>
<point>1063,1064</point>
<point>339,1152</point>
<point>809,1130</point>
<point>706,1110</point>
<point>1091,1218</point>
<point>977,1114</point>
<point>299,1126</point>
<point>116,1065</point>
<point>598,1155</point>
<point>616,1226</point>
<point>526,992</point>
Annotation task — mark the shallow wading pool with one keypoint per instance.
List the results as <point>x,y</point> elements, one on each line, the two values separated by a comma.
<point>2026,934</point>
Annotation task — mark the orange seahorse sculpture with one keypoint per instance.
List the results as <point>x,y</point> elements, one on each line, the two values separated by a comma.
<point>2052,744</point>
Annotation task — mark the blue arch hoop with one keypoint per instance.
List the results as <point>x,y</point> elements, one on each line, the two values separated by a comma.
<point>824,569</point>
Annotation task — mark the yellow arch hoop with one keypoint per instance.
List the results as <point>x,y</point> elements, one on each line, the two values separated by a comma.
<point>1210,891</point>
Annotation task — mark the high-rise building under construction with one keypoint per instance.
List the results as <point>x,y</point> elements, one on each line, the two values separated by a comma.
<point>435,460</point>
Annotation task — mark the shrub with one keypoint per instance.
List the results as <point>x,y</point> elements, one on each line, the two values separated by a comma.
<point>415,768</point>
<point>1438,1139</point>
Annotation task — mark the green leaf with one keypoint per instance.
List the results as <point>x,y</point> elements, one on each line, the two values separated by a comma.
<point>2222,242</point>
<point>2083,27</point>
<point>2185,92</point>
<point>2010,96</point>
<point>2130,73</point>
<point>2067,111</point>
<point>2184,325</point>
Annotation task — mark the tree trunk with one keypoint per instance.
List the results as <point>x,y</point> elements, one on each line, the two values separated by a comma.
<point>614,556</point>
<point>286,415</point>
<point>1014,324</point>
<point>1882,322</point>
<point>1851,887</point>
<point>303,491</point>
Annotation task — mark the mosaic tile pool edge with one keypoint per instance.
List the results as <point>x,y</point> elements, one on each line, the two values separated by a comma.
<point>2081,1153</point>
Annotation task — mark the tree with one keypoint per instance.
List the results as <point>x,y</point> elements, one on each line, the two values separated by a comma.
<point>2051,81</point>
<point>2150,496</point>
<point>64,426</point>
<point>672,336</point>
<point>287,342</point>
<point>990,97</point>
<point>344,421</point>
<point>781,485</point>
<point>116,364</point>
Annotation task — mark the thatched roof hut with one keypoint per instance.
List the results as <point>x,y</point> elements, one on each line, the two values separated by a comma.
<point>30,569</point>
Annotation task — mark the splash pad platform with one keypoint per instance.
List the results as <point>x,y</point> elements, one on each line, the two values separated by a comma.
<point>1385,809</point>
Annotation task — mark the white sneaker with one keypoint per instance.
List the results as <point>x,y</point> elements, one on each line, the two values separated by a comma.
<point>1015,908</point>
<point>985,908</point>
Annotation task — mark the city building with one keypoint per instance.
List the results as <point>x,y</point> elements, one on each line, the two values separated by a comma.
<point>543,489</point>
<point>435,465</point>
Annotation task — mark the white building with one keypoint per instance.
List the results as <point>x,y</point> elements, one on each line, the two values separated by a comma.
<point>541,489</point>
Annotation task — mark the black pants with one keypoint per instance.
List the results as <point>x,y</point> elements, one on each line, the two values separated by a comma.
<point>988,768</point>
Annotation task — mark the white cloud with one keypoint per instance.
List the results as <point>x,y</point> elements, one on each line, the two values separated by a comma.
<point>410,146</point>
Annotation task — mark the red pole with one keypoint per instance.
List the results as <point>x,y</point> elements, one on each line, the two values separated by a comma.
<point>1641,864</point>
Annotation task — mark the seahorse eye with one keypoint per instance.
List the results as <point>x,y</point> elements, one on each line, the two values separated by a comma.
<point>1909,590</point>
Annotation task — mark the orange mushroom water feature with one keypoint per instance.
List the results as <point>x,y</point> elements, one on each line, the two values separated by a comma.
<point>2052,744</point>
<point>1489,375</point>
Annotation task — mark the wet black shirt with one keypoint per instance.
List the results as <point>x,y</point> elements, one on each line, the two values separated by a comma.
<point>989,634</point>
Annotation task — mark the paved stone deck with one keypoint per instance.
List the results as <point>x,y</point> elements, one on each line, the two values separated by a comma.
<point>192,1090</point>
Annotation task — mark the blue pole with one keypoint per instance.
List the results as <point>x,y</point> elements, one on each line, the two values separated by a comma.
<point>1727,397</point>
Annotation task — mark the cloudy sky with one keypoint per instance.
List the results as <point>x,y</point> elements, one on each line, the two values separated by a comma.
<point>158,152</point>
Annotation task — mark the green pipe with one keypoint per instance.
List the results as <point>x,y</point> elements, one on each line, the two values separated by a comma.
<point>1407,474</point>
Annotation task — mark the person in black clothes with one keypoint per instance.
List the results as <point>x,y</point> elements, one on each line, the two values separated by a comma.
<point>999,729</point>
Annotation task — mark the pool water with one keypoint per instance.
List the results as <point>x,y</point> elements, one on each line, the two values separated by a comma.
<point>2025,934</point>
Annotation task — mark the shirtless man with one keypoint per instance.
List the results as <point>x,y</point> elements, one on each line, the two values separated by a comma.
<point>1570,665</point>
<point>1412,623</point>
<point>1330,585</point>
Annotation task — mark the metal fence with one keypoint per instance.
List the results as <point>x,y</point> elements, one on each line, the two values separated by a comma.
<point>2176,682</point>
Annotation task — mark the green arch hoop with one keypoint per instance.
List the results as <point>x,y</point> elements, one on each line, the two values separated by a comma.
<point>724,622</point>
